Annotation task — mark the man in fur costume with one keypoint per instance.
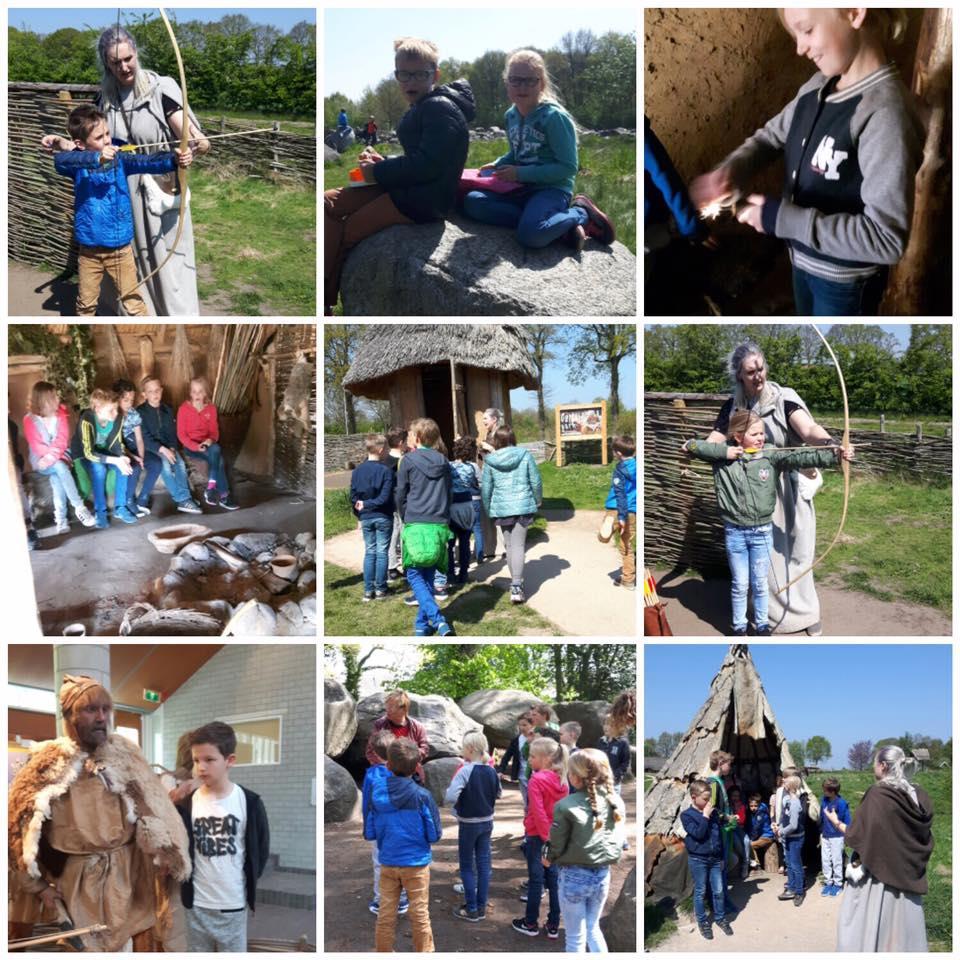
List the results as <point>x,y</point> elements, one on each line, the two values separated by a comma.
<point>91,826</point>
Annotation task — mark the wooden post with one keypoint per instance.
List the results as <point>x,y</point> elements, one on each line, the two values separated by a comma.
<point>603,432</point>
<point>559,441</point>
<point>919,431</point>
<point>883,423</point>
<point>948,433</point>
<point>453,399</point>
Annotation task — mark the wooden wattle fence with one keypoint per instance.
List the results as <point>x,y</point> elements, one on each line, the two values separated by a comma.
<point>681,522</point>
<point>40,217</point>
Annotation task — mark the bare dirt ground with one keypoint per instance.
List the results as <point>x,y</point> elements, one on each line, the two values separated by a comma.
<point>766,924</point>
<point>701,608</point>
<point>349,925</point>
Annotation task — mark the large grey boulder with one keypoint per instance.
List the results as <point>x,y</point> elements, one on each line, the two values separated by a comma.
<point>341,798</point>
<point>619,927</point>
<point>437,775</point>
<point>498,712</point>
<point>330,155</point>
<point>463,268</point>
<point>339,718</point>
<point>589,714</point>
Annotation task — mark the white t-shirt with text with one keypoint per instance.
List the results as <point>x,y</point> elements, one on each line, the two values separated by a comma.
<point>219,826</point>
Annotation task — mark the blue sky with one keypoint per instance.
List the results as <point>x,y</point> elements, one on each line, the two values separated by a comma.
<point>46,20</point>
<point>358,50</point>
<point>844,692</point>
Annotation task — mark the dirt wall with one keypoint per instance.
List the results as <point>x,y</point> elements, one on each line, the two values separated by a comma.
<point>713,76</point>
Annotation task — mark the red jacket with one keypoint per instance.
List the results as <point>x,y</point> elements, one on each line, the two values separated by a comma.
<point>414,730</point>
<point>194,427</point>
<point>39,448</point>
<point>544,789</point>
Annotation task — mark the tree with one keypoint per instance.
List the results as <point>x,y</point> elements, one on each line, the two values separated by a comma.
<point>600,348</point>
<point>354,665</point>
<point>650,748</point>
<point>858,756</point>
<point>541,337</point>
<point>339,342</point>
<point>667,743</point>
<point>799,750</point>
<point>818,748</point>
<point>609,83</point>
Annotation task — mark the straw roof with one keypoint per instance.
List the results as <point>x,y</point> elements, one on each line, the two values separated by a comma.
<point>736,717</point>
<point>387,349</point>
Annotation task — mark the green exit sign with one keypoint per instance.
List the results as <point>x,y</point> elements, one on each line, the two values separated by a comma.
<point>151,696</point>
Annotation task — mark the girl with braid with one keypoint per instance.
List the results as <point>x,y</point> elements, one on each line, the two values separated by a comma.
<point>585,838</point>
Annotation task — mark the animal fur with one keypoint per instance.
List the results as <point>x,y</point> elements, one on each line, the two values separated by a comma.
<point>52,769</point>
<point>296,398</point>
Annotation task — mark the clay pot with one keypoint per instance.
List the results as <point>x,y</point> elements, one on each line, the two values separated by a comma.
<point>74,630</point>
<point>285,567</point>
<point>171,539</point>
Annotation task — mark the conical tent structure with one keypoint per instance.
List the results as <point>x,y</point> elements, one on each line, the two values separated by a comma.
<point>737,718</point>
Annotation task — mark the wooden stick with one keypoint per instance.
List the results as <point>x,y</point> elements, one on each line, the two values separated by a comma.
<point>54,937</point>
<point>130,147</point>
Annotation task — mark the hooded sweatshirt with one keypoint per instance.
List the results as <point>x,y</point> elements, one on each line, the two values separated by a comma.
<point>623,489</point>
<point>424,487</point>
<point>404,820</point>
<point>510,485</point>
<point>543,147</point>
<point>423,183</point>
<point>543,791</point>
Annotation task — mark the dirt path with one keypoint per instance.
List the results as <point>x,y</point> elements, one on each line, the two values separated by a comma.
<point>765,923</point>
<point>348,924</point>
<point>568,576</point>
<point>701,608</point>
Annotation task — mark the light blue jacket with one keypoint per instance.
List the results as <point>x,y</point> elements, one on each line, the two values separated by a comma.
<point>510,485</point>
<point>543,145</point>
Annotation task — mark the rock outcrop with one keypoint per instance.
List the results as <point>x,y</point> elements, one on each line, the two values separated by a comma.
<point>619,926</point>
<point>341,798</point>
<point>497,711</point>
<point>437,775</point>
<point>589,714</point>
<point>339,718</point>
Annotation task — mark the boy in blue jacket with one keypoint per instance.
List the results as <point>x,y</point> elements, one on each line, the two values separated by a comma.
<point>761,829</point>
<point>371,493</point>
<point>622,499</point>
<point>102,216</point>
<point>701,824</point>
<point>404,819</point>
<point>831,837</point>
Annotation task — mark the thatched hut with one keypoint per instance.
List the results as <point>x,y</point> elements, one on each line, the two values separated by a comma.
<point>449,372</point>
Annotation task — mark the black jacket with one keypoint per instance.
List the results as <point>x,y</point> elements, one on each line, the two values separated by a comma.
<point>424,487</point>
<point>159,427</point>
<point>512,756</point>
<point>256,845</point>
<point>84,441</point>
<point>423,183</point>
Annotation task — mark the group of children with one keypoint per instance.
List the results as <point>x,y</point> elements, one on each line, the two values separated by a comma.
<point>535,179</point>
<point>574,824</point>
<point>114,437</point>
<point>417,509</point>
<point>718,823</point>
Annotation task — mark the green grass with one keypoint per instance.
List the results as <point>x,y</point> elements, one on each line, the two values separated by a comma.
<point>255,245</point>
<point>607,175</point>
<point>474,610</point>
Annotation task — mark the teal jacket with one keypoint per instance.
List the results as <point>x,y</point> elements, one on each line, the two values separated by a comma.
<point>543,146</point>
<point>510,485</point>
<point>747,487</point>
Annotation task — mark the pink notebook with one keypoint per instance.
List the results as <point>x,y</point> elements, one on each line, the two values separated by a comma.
<point>470,180</point>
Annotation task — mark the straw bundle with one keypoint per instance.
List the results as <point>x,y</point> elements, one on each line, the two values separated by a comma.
<point>181,368</point>
<point>237,366</point>
<point>116,359</point>
<point>146,359</point>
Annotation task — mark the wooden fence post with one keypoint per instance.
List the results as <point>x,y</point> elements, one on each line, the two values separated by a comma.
<point>883,423</point>
<point>919,431</point>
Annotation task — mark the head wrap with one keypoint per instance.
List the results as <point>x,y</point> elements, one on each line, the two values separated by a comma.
<point>73,688</point>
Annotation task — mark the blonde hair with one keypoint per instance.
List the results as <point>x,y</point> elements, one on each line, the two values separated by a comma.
<point>426,431</point>
<point>476,743</point>
<point>203,383</point>
<point>792,783</point>
<point>888,24</point>
<point>398,696</point>
<point>555,753</point>
<point>103,398</point>
<point>698,788</point>
<point>548,93</point>
<point>592,768</point>
<point>740,422</point>
<point>374,442</point>
<point>418,49</point>
<point>44,400</point>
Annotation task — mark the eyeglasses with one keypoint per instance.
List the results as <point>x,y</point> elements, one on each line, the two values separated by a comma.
<point>405,76</point>
<point>527,82</point>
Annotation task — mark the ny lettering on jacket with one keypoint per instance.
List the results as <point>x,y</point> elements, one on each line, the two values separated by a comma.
<point>826,160</point>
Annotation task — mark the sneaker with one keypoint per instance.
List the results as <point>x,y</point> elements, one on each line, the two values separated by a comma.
<point>524,883</point>
<point>575,238</point>
<point>85,516</point>
<point>516,594</point>
<point>520,925</point>
<point>763,631</point>
<point>367,597</point>
<point>459,888</point>
<point>143,510</point>
<point>618,582</point>
<point>123,514</point>
<point>445,630</point>
<point>102,521</point>
<point>210,497</point>
<point>228,503</point>
<point>61,524</point>
<point>137,510</point>
<point>393,574</point>
<point>374,906</point>
<point>738,632</point>
<point>724,925</point>
<point>837,890</point>
<point>798,899</point>
<point>786,895</point>
<point>522,898</point>
<point>411,601</point>
<point>380,595</point>
<point>827,889</point>
<point>403,906</point>
<point>553,931</point>
<point>471,916</point>
<point>188,506</point>
<point>440,593</point>
<point>429,632</point>
<point>706,930</point>
<point>599,226</point>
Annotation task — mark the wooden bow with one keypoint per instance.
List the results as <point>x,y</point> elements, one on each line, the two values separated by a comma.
<point>181,171</point>
<point>844,464</point>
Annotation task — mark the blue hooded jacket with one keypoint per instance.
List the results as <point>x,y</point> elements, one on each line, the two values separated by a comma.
<point>404,820</point>
<point>623,489</point>
<point>510,485</point>
<point>664,193</point>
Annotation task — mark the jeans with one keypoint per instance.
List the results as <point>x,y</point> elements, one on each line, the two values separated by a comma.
<point>473,847</point>
<point>132,486</point>
<point>540,876</point>
<point>174,478</point>
<point>744,850</point>
<point>213,457</point>
<point>794,850</point>
<point>540,216</point>
<point>461,538</point>
<point>703,870</point>
<point>816,297</point>
<point>478,530</point>
<point>416,881</point>
<point>64,488</point>
<point>523,793</point>
<point>748,554</point>
<point>428,613</point>
<point>583,892</point>
<point>515,541</point>
<point>376,540</point>
<point>98,480</point>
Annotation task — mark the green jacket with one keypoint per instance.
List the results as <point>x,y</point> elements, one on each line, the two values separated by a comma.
<point>573,839</point>
<point>747,487</point>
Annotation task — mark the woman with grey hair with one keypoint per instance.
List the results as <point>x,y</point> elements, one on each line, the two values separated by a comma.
<point>787,423</point>
<point>882,906</point>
